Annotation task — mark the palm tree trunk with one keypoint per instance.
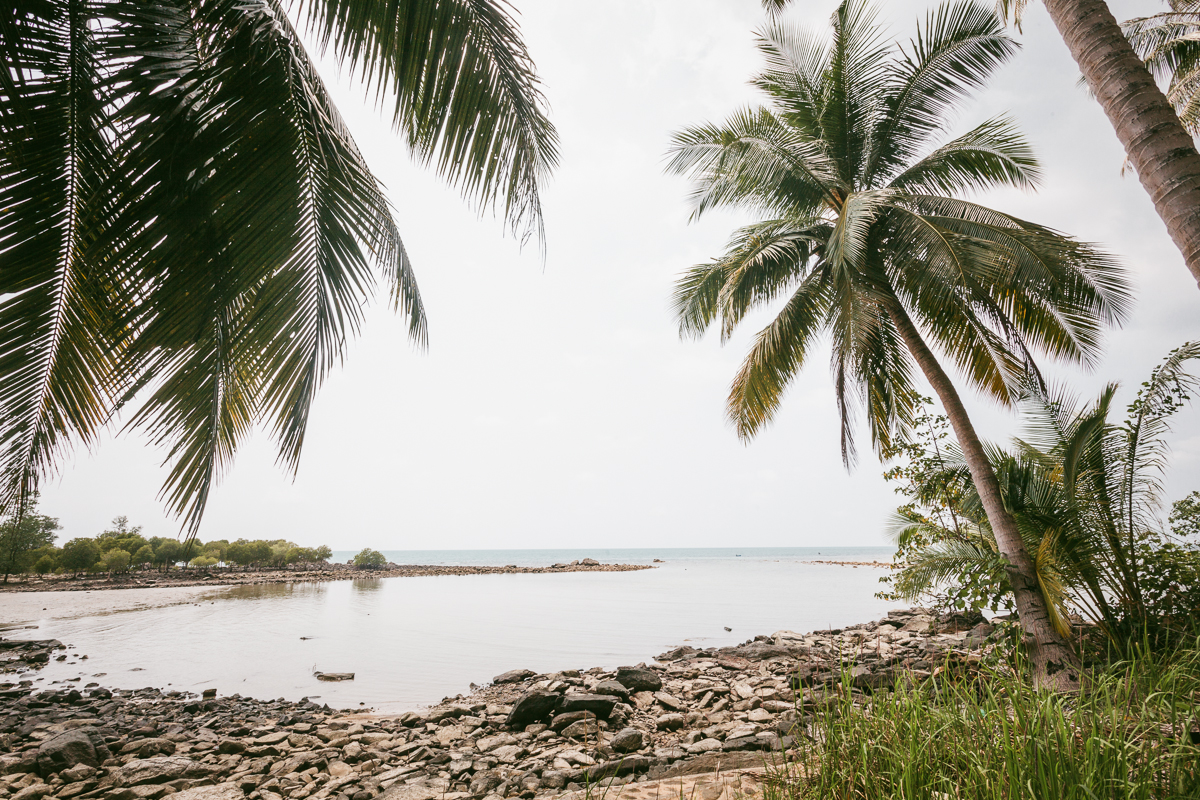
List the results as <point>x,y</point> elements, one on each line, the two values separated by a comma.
<point>1054,663</point>
<point>1159,148</point>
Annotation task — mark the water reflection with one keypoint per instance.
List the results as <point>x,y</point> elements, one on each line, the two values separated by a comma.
<point>412,641</point>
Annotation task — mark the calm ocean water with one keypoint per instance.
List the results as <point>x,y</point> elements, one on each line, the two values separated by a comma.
<point>412,641</point>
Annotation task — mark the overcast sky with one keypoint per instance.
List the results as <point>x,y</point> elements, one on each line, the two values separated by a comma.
<point>556,406</point>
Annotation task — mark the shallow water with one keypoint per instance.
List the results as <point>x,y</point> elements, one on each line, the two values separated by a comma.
<point>412,641</point>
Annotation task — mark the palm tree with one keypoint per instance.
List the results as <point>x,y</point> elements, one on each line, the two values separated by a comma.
<point>1169,43</point>
<point>1085,493</point>
<point>185,217</point>
<point>868,244</point>
<point>1159,149</point>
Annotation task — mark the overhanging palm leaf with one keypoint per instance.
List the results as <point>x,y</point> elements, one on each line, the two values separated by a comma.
<point>225,256</point>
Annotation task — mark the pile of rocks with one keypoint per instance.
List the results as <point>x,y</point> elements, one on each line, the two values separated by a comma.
<point>328,572</point>
<point>523,735</point>
<point>18,655</point>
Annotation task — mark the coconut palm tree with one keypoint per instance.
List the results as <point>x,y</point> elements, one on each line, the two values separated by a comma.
<point>865,241</point>
<point>1085,492</point>
<point>1158,147</point>
<point>1169,43</point>
<point>186,220</point>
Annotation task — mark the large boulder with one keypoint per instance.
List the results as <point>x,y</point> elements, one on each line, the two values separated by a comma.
<point>599,704</point>
<point>613,688</point>
<point>514,676</point>
<point>637,679</point>
<point>628,740</point>
<point>534,706</point>
<point>159,770</point>
<point>570,718</point>
<point>78,746</point>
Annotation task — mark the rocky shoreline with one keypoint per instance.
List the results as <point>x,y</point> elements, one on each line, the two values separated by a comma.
<point>329,572</point>
<point>523,735</point>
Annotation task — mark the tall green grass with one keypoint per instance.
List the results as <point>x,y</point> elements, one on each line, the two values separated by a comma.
<point>990,735</point>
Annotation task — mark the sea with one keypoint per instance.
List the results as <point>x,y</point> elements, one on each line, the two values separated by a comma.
<point>411,642</point>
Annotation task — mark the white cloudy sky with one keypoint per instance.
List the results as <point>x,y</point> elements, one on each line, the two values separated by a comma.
<point>556,406</point>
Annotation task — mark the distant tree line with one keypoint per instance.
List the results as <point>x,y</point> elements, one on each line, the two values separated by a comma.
<point>27,546</point>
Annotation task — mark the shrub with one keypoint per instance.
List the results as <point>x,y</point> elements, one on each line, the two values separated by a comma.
<point>203,562</point>
<point>116,560</point>
<point>369,559</point>
<point>44,565</point>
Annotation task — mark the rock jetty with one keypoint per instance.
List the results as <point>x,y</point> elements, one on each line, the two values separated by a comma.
<point>524,735</point>
<point>330,572</point>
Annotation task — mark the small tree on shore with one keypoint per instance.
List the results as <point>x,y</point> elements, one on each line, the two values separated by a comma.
<point>22,533</point>
<point>370,559</point>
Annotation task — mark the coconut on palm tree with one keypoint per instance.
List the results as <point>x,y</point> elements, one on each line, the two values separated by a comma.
<point>185,218</point>
<point>864,240</point>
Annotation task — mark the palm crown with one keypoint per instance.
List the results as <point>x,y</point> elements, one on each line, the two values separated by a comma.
<point>864,235</point>
<point>183,211</point>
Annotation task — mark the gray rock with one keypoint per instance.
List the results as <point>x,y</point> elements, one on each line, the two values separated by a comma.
<point>612,687</point>
<point>79,746</point>
<point>222,791</point>
<point>554,779</point>
<point>619,766</point>
<point>408,791</point>
<point>514,676</point>
<point>703,746</point>
<point>570,718</point>
<point>534,706</point>
<point>670,722</point>
<point>159,770</point>
<point>745,743</point>
<point>599,704</point>
<point>483,782</point>
<point>636,679</point>
<point>628,740</point>
<point>583,729</point>
<point>145,748</point>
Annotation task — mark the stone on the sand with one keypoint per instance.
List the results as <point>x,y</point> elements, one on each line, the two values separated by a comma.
<point>534,706</point>
<point>627,740</point>
<point>637,679</point>
<point>670,722</point>
<point>571,717</point>
<point>222,791</point>
<point>599,704</point>
<point>78,746</point>
<point>513,676</point>
<point>159,770</point>
<point>612,687</point>
<point>583,729</point>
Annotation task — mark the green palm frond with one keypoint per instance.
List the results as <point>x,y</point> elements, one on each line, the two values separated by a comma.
<point>955,52</point>
<point>186,221</point>
<point>467,96</point>
<point>985,288</point>
<point>56,366</point>
<point>1169,43</point>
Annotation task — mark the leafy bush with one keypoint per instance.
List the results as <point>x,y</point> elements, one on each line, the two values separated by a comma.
<point>1084,493</point>
<point>369,559</point>
<point>44,565</point>
<point>116,560</point>
<point>79,555</point>
<point>203,562</point>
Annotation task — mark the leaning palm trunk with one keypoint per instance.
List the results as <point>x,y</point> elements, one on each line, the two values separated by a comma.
<point>1054,663</point>
<point>1159,148</point>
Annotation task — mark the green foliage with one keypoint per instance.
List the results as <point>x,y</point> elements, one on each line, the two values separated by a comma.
<point>45,564</point>
<point>203,562</point>
<point>144,555</point>
<point>369,559</point>
<point>1185,517</point>
<point>993,737</point>
<point>23,532</point>
<point>116,560</point>
<point>852,168</point>
<point>1169,43</point>
<point>79,555</point>
<point>1085,494</point>
<point>182,205</point>
<point>168,552</point>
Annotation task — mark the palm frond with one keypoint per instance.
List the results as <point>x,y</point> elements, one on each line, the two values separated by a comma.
<point>467,96</point>
<point>957,49</point>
